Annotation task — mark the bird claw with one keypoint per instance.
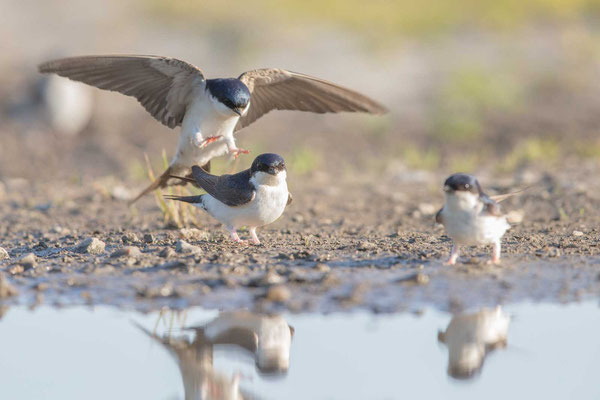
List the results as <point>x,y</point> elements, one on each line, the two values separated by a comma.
<point>236,152</point>
<point>208,141</point>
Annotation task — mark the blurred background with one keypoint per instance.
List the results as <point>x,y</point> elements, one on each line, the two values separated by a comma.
<point>471,84</point>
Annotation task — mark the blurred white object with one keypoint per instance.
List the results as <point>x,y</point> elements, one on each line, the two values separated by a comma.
<point>470,337</point>
<point>52,103</point>
<point>68,105</point>
<point>268,337</point>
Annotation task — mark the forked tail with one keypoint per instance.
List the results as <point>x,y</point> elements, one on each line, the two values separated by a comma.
<point>163,181</point>
<point>187,199</point>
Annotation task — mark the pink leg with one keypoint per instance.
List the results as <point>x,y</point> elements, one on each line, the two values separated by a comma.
<point>236,152</point>
<point>209,140</point>
<point>235,237</point>
<point>496,253</point>
<point>453,255</point>
<point>254,237</point>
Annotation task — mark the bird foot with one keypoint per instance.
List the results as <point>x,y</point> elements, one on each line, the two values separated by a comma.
<point>236,152</point>
<point>209,140</point>
<point>493,261</point>
<point>240,241</point>
<point>450,262</point>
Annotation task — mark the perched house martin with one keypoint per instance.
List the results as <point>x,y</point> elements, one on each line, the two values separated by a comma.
<point>254,197</point>
<point>470,216</point>
<point>209,111</point>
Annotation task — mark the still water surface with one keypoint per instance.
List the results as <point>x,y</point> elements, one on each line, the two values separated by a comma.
<point>520,351</point>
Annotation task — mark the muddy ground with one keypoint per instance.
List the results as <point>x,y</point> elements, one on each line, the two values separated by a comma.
<point>357,242</point>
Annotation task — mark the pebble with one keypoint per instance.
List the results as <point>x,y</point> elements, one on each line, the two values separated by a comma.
<point>279,294</point>
<point>365,246</point>
<point>128,251</point>
<point>515,217</point>
<point>577,233</point>
<point>427,209</point>
<point>184,247</point>
<point>419,278</point>
<point>6,288</point>
<point>130,237</point>
<point>4,254</point>
<point>149,238</point>
<point>28,261</point>
<point>167,252</point>
<point>91,246</point>
<point>322,267</point>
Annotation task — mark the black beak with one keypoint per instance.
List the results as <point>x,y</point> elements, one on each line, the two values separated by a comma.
<point>237,111</point>
<point>276,168</point>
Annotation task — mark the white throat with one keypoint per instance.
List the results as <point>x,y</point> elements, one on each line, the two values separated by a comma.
<point>263,178</point>
<point>462,201</point>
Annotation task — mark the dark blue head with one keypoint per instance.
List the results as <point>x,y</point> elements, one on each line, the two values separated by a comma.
<point>269,163</point>
<point>462,183</point>
<point>231,92</point>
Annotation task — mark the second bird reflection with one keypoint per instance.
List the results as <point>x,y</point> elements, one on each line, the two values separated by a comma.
<point>266,338</point>
<point>470,337</point>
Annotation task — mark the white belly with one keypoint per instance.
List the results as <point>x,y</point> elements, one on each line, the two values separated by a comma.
<point>470,228</point>
<point>202,121</point>
<point>268,205</point>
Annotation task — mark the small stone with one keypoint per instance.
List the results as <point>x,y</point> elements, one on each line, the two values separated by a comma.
<point>279,294</point>
<point>4,254</point>
<point>427,209</point>
<point>28,261</point>
<point>515,217</point>
<point>577,233</point>
<point>130,237</point>
<point>322,267</point>
<point>167,252</point>
<point>6,288</point>
<point>418,278</point>
<point>366,246</point>
<point>127,251</point>
<point>185,248</point>
<point>149,238</point>
<point>554,252</point>
<point>91,246</point>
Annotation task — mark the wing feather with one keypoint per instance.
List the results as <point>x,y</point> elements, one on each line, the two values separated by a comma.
<point>278,89</point>
<point>233,190</point>
<point>162,85</point>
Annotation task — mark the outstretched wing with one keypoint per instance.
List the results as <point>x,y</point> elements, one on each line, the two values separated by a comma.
<point>278,89</point>
<point>162,85</point>
<point>233,190</point>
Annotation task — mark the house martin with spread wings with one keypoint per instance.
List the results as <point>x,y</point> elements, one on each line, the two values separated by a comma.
<point>209,111</point>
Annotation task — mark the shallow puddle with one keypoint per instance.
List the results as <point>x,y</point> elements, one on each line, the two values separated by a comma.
<point>520,351</point>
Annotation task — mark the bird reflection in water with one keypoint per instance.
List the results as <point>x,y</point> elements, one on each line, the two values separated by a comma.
<point>470,337</point>
<point>266,338</point>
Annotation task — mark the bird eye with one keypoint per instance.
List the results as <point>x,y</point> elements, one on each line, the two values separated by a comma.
<point>467,185</point>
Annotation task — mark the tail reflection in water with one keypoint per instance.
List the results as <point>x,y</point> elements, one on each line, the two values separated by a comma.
<point>266,338</point>
<point>470,337</point>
